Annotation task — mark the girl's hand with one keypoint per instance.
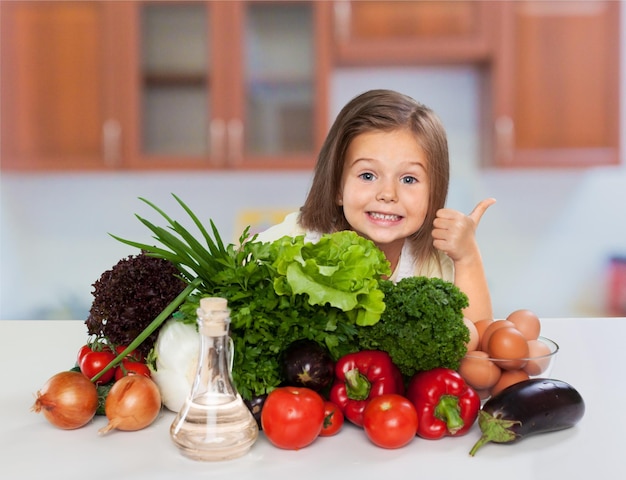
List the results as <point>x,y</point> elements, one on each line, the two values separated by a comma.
<point>454,233</point>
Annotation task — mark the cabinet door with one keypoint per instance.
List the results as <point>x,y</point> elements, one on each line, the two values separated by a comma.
<point>229,84</point>
<point>410,32</point>
<point>56,111</point>
<point>175,78</point>
<point>279,116</point>
<point>556,84</point>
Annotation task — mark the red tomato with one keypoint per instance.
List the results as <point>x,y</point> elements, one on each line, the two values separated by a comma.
<point>128,367</point>
<point>390,421</point>
<point>333,419</point>
<point>94,362</point>
<point>84,350</point>
<point>292,417</point>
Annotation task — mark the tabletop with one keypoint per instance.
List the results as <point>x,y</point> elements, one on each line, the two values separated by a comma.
<point>31,351</point>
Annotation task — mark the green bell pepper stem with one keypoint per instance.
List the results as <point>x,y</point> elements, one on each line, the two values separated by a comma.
<point>448,411</point>
<point>357,385</point>
<point>156,323</point>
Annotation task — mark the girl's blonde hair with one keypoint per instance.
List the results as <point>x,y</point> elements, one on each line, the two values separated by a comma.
<point>378,110</point>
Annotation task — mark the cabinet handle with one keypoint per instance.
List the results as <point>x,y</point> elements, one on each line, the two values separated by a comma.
<point>343,14</point>
<point>216,140</point>
<point>505,138</point>
<point>235,141</point>
<point>111,144</point>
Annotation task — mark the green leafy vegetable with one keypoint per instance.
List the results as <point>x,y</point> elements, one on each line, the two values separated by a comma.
<point>341,269</point>
<point>422,325</point>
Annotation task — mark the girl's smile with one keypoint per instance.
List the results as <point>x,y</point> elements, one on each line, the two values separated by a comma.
<point>385,188</point>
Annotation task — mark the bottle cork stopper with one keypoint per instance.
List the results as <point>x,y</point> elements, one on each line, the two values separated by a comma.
<point>214,314</point>
<point>209,304</point>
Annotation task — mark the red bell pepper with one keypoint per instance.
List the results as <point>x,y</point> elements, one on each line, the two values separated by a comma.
<point>361,376</point>
<point>445,404</point>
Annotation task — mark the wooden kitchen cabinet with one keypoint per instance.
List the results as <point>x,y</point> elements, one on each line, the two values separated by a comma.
<point>554,84</point>
<point>164,85</point>
<point>411,32</point>
<point>58,104</point>
<point>244,84</point>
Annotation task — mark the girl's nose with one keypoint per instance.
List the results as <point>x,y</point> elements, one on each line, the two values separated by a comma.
<point>387,193</point>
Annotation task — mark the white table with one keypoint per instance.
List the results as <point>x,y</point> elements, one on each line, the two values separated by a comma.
<point>591,359</point>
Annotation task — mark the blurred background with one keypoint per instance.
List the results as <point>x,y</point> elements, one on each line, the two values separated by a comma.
<point>226,104</point>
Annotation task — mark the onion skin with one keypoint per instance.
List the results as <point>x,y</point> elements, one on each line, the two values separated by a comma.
<point>68,400</point>
<point>133,403</point>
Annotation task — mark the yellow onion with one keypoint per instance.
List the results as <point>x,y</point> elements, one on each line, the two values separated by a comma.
<point>68,400</point>
<point>133,403</point>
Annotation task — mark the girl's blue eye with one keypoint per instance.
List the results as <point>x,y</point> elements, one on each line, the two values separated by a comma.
<point>409,180</point>
<point>367,176</point>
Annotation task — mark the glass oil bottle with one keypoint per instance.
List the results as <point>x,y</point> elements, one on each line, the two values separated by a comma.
<point>214,422</point>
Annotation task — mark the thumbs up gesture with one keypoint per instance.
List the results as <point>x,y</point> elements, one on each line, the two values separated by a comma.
<point>454,233</point>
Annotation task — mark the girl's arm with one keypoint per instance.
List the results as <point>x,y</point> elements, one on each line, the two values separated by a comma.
<point>454,233</point>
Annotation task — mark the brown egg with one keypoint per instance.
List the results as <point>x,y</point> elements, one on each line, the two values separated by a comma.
<point>495,325</point>
<point>478,371</point>
<point>526,322</point>
<point>510,347</point>
<point>481,326</point>
<point>539,352</point>
<point>508,377</point>
<point>472,344</point>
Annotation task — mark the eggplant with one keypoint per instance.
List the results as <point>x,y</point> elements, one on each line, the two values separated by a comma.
<point>306,363</point>
<point>537,405</point>
<point>255,405</point>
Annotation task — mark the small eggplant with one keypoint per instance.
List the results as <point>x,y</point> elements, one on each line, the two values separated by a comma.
<point>532,406</point>
<point>306,363</point>
<point>255,405</point>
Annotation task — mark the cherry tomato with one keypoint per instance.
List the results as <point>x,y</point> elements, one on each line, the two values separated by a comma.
<point>128,367</point>
<point>84,350</point>
<point>390,421</point>
<point>292,417</point>
<point>333,419</point>
<point>93,362</point>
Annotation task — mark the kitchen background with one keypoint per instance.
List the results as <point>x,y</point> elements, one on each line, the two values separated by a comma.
<point>547,243</point>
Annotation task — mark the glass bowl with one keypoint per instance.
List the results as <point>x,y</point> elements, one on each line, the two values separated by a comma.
<point>488,376</point>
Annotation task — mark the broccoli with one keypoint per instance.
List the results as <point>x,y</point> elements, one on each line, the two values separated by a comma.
<point>422,326</point>
<point>129,296</point>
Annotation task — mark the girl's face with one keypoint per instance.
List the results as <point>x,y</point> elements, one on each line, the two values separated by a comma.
<point>385,188</point>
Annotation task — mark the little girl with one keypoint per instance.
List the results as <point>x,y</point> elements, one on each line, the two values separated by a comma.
<point>383,172</point>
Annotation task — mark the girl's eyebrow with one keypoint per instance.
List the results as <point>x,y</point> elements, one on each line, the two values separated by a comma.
<point>360,159</point>
<point>418,163</point>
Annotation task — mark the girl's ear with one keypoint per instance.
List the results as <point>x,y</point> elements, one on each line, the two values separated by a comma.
<point>339,200</point>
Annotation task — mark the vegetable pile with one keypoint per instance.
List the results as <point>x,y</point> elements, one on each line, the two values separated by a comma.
<point>330,292</point>
<point>318,336</point>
